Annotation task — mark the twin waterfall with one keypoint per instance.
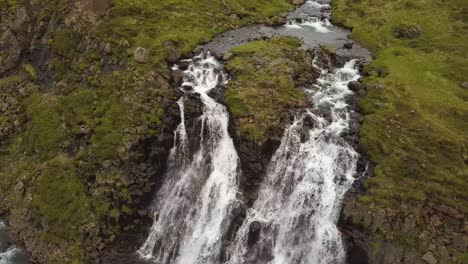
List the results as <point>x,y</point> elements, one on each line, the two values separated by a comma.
<point>298,203</point>
<point>293,220</point>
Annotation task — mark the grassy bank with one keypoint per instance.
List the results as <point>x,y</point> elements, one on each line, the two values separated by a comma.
<point>416,111</point>
<point>416,122</point>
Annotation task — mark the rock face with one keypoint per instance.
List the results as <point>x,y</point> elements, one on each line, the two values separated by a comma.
<point>14,37</point>
<point>370,233</point>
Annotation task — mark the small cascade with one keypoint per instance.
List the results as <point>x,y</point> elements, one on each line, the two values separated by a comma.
<point>319,25</point>
<point>294,218</point>
<point>193,206</point>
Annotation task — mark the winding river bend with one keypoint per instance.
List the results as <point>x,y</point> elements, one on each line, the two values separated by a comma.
<point>294,217</point>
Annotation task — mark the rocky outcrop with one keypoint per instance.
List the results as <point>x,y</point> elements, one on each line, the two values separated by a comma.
<point>14,38</point>
<point>413,233</point>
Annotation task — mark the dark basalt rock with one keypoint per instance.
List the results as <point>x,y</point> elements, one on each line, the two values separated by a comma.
<point>348,45</point>
<point>255,229</point>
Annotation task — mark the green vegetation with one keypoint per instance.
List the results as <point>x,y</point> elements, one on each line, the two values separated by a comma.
<point>65,42</point>
<point>152,23</point>
<point>416,111</point>
<point>266,85</point>
<point>416,122</point>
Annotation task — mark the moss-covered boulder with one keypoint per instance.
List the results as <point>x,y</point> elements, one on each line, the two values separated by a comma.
<point>265,90</point>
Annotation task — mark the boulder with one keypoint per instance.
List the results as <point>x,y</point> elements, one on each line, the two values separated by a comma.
<point>227,56</point>
<point>460,242</point>
<point>10,51</point>
<point>464,84</point>
<point>21,20</point>
<point>429,258</point>
<point>173,53</point>
<point>407,31</point>
<point>348,45</point>
<point>141,55</point>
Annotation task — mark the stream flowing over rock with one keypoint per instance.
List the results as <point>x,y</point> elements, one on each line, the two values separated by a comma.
<point>9,253</point>
<point>192,208</point>
<point>300,199</point>
<point>200,214</point>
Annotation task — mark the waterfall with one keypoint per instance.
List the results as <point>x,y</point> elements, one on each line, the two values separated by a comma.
<point>294,218</point>
<point>193,206</point>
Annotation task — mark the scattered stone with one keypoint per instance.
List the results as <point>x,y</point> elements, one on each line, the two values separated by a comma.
<point>459,242</point>
<point>464,84</point>
<point>173,53</point>
<point>435,221</point>
<point>449,211</point>
<point>407,31</point>
<point>234,17</point>
<point>177,77</point>
<point>19,187</point>
<point>429,258</point>
<point>107,48</point>
<point>227,56</point>
<point>10,51</point>
<point>444,254</point>
<point>21,20</point>
<point>348,45</point>
<point>298,2</point>
<point>141,55</point>
<point>354,86</point>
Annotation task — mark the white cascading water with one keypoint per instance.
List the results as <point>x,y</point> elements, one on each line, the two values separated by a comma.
<point>320,25</point>
<point>192,208</point>
<point>9,254</point>
<point>299,201</point>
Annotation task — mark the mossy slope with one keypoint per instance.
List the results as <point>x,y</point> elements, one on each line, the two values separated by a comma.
<point>416,111</point>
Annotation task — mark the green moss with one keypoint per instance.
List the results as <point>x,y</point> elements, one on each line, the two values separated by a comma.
<point>61,198</point>
<point>414,128</point>
<point>30,70</point>
<point>44,132</point>
<point>65,42</point>
<point>264,86</point>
